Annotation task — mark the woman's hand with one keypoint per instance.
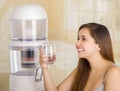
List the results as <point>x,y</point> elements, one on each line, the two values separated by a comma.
<point>43,60</point>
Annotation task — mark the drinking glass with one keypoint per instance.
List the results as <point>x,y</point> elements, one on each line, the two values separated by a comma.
<point>49,50</point>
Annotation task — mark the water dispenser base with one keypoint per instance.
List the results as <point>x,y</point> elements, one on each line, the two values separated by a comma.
<point>25,83</point>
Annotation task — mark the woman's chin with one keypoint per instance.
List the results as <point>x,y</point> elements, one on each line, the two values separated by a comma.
<point>81,56</point>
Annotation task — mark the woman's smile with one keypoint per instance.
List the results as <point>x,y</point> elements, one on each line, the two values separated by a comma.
<point>80,49</point>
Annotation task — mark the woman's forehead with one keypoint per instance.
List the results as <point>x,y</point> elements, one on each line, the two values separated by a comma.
<point>84,32</point>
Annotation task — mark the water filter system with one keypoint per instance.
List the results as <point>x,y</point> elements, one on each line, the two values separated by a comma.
<point>28,27</point>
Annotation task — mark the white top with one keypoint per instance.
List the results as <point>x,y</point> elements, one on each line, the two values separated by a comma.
<point>101,88</point>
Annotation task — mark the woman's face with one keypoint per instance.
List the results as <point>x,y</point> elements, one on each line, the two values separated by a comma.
<point>86,45</point>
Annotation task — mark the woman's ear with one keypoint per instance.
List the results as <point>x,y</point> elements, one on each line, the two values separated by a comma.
<point>98,47</point>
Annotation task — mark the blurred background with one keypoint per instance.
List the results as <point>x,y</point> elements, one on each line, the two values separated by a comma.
<point>64,19</point>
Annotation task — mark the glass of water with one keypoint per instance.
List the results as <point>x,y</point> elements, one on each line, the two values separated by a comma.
<point>49,50</point>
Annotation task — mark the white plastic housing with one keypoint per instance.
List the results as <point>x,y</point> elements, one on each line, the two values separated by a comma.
<point>28,27</point>
<point>25,83</point>
<point>28,23</point>
<point>28,12</point>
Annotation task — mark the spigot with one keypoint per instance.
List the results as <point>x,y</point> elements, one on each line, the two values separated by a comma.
<point>38,74</point>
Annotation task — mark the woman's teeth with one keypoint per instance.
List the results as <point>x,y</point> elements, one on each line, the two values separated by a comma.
<point>81,49</point>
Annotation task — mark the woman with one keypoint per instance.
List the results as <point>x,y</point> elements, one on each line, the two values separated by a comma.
<point>96,70</point>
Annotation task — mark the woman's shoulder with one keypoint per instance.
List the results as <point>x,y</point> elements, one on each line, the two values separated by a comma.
<point>114,69</point>
<point>112,79</point>
<point>113,73</point>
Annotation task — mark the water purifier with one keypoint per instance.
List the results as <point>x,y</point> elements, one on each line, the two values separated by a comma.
<point>28,30</point>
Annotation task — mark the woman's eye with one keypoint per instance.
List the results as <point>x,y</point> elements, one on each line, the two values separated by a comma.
<point>83,39</point>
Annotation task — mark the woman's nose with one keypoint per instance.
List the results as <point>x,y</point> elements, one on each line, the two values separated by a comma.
<point>78,43</point>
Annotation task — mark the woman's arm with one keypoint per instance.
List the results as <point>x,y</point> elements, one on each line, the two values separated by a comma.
<point>48,83</point>
<point>64,86</point>
<point>112,80</point>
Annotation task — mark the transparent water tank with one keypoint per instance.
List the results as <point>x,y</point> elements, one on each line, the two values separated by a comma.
<point>28,31</point>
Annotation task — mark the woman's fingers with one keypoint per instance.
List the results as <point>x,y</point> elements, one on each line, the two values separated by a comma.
<point>43,59</point>
<point>41,51</point>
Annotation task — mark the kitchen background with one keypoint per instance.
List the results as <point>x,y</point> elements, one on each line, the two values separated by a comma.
<point>64,19</point>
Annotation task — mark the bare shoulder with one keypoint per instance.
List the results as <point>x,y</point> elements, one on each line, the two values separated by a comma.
<point>113,73</point>
<point>112,79</point>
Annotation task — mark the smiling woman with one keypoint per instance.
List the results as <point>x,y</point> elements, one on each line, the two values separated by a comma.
<point>96,61</point>
<point>78,12</point>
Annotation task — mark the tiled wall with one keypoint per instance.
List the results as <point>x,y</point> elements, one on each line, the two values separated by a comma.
<point>4,82</point>
<point>4,36</point>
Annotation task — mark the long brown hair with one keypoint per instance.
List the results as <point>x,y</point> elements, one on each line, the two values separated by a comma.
<point>102,37</point>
